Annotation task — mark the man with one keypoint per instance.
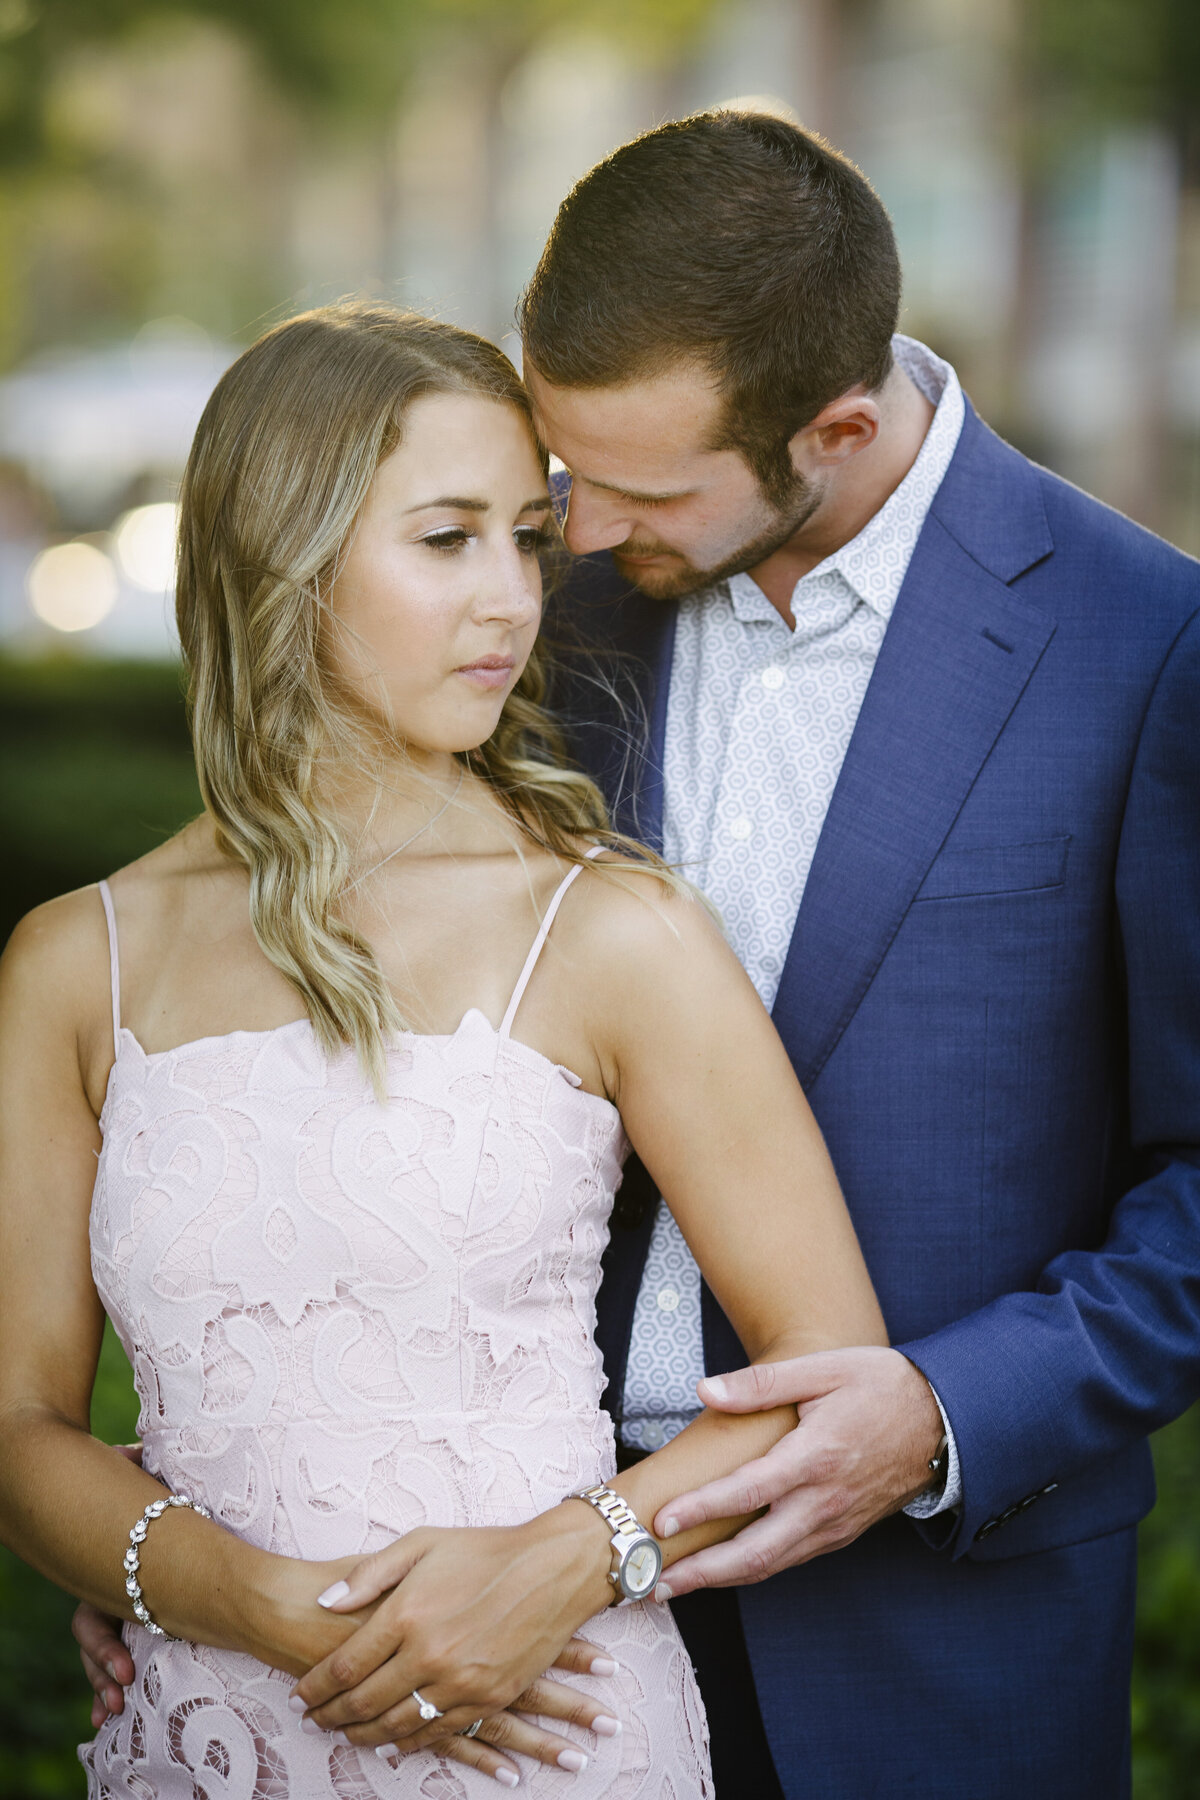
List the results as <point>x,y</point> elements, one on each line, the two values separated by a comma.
<point>920,719</point>
<point>922,722</point>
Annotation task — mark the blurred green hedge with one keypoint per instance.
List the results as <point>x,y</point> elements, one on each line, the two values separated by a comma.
<point>94,770</point>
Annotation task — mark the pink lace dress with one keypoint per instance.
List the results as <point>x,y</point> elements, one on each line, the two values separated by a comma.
<point>347,1320</point>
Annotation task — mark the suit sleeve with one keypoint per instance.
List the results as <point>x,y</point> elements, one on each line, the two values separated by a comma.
<point>1045,1385</point>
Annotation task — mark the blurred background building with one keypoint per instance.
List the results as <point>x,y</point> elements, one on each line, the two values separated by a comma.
<point>177,174</point>
<point>174,174</point>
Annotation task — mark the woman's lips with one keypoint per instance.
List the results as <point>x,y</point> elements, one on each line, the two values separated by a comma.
<point>489,671</point>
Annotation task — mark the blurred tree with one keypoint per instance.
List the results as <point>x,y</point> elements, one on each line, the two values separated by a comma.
<point>1092,62</point>
<point>128,129</point>
<point>95,769</point>
<point>1166,1687</point>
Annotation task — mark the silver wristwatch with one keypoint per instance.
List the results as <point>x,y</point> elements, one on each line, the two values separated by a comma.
<point>637,1557</point>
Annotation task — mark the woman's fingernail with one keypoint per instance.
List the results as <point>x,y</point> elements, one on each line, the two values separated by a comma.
<point>385,1750</point>
<point>333,1594</point>
<point>603,1665</point>
<point>312,1728</point>
<point>108,1664</point>
<point>339,1737</point>
<point>670,1527</point>
<point>663,1592</point>
<point>574,1760</point>
<point>607,1727</point>
<point>508,1777</point>
<point>297,1705</point>
<point>716,1387</point>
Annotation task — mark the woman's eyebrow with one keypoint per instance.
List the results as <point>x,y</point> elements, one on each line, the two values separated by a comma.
<point>468,503</point>
<point>458,502</point>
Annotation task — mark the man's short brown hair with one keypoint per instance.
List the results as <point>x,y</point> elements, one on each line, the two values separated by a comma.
<point>734,239</point>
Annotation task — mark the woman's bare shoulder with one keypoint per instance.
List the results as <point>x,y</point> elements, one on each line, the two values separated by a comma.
<point>632,915</point>
<point>59,951</point>
<point>170,869</point>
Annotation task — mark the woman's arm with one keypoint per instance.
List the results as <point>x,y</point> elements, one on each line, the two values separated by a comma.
<point>67,1501</point>
<point>711,1103</point>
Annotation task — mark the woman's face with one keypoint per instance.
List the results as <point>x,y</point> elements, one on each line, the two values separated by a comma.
<point>439,597</point>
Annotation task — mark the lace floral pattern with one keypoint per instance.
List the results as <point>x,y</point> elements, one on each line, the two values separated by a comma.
<point>347,1320</point>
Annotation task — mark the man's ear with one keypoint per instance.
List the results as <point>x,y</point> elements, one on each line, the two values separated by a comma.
<point>840,430</point>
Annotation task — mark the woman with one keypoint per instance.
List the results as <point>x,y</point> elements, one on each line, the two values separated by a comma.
<point>359,1116</point>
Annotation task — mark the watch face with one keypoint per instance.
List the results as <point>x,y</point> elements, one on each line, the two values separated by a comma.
<point>641,1569</point>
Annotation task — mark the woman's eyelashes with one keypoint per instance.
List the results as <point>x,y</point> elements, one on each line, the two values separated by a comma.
<point>450,537</point>
<point>532,538</point>
<point>529,539</point>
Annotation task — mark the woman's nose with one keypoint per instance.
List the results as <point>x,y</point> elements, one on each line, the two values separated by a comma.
<point>514,592</point>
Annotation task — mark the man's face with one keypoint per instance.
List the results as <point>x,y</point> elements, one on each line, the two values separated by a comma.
<point>675,514</point>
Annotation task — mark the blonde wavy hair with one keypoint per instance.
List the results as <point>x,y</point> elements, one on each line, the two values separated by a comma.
<point>281,465</point>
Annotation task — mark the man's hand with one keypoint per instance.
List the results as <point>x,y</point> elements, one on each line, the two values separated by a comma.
<point>106,1662</point>
<point>869,1425</point>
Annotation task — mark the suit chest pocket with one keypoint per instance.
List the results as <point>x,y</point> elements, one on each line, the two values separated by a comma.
<point>997,869</point>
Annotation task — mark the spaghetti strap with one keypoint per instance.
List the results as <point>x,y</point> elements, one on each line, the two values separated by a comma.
<point>556,900</point>
<point>114,961</point>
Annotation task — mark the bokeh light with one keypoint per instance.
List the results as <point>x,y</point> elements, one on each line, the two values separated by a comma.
<point>145,540</point>
<point>72,587</point>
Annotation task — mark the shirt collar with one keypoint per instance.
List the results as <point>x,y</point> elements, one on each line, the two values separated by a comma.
<point>874,563</point>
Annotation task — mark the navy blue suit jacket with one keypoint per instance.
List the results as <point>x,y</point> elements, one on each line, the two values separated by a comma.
<point>992,994</point>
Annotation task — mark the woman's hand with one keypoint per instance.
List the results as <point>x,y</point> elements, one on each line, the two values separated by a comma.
<point>495,1749</point>
<point>471,1618</point>
<point>518,1736</point>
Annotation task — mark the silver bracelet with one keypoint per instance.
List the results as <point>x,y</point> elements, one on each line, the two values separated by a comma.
<point>137,1537</point>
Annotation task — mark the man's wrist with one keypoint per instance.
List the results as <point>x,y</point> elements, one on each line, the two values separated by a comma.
<point>944,1492</point>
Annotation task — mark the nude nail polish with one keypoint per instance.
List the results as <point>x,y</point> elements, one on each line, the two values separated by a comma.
<point>662,1592</point>
<point>339,1737</point>
<point>603,1726</point>
<point>333,1594</point>
<point>296,1704</point>
<point>670,1528</point>
<point>574,1760</point>
<point>603,1665</point>
<point>508,1778</point>
<point>385,1750</point>
<point>312,1728</point>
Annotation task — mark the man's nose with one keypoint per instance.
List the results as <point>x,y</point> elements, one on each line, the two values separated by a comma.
<point>594,521</point>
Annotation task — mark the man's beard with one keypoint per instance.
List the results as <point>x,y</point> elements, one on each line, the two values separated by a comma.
<point>671,583</point>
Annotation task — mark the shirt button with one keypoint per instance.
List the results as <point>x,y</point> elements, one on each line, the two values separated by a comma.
<point>741,829</point>
<point>772,678</point>
<point>653,1434</point>
<point>668,1298</point>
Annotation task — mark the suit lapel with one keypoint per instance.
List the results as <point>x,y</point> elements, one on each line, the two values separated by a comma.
<point>955,659</point>
<point>613,687</point>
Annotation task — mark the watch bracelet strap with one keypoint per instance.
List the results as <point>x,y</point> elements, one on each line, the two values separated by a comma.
<point>613,1510</point>
<point>618,1514</point>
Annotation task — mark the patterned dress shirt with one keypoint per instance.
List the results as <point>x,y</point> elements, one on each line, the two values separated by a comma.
<point>759,719</point>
